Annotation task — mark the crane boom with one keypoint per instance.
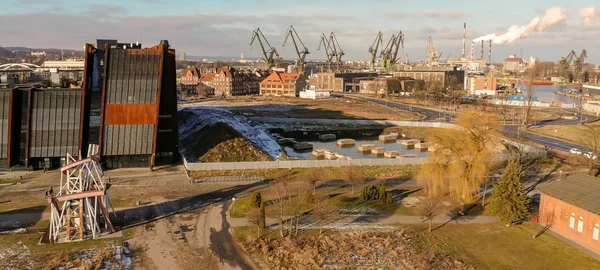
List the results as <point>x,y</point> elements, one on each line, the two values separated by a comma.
<point>337,50</point>
<point>374,48</point>
<point>328,50</point>
<point>268,53</point>
<point>301,53</point>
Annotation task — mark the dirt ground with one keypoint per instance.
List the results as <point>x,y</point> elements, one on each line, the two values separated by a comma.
<point>333,108</point>
<point>191,240</point>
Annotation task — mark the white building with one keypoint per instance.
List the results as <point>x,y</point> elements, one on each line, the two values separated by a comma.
<point>313,93</point>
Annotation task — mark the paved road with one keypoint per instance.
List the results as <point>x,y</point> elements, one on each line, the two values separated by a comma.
<point>508,130</point>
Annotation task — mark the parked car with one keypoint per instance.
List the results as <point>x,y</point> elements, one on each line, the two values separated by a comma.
<point>590,155</point>
<point>575,151</point>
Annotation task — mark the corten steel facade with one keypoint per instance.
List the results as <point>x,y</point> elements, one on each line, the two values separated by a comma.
<point>4,121</point>
<point>42,127</point>
<point>138,111</point>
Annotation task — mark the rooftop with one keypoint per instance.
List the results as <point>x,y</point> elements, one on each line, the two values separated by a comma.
<point>580,190</point>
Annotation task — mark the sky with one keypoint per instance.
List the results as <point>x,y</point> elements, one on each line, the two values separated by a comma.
<point>224,27</point>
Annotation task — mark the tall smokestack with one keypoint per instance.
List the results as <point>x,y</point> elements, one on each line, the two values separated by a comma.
<point>472,50</point>
<point>482,50</point>
<point>464,40</point>
<point>490,53</point>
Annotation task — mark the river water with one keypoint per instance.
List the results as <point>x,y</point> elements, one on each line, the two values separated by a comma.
<point>546,93</point>
<point>353,151</point>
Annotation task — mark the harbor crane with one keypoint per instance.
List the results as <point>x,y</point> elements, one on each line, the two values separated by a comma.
<point>270,54</point>
<point>389,55</point>
<point>337,51</point>
<point>579,67</point>
<point>564,66</point>
<point>432,55</point>
<point>325,42</point>
<point>374,48</point>
<point>301,53</point>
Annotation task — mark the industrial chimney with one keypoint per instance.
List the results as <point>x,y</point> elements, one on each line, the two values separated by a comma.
<point>490,53</point>
<point>472,50</point>
<point>482,50</point>
<point>464,40</point>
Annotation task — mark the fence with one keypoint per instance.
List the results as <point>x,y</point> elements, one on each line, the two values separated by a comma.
<point>291,164</point>
<point>351,122</point>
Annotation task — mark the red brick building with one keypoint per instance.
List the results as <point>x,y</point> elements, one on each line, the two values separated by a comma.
<point>189,81</point>
<point>571,207</point>
<point>228,81</point>
<point>282,84</point>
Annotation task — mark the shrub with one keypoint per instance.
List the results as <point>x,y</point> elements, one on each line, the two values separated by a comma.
<point>255,200</point>
<point>382,193</point>
<point>369,193</point>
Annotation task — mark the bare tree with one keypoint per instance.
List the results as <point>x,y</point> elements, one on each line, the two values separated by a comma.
<point>279,190</point>
<point>315,175</point>
<point>532,75</point>
<point>254,216</point>
<point>591,140</point>
<point>354,175</point>
<point>324,210</point>
<point>428,209</point>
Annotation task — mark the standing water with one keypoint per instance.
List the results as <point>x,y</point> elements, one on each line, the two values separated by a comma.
<point>547,93</point>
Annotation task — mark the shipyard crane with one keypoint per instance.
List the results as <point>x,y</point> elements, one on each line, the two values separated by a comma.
<point>374,48</point>
<point>564,66</point>
<point>432,55</point>
<point>270,54</point>
<point>337,50</point>
<point>301,53</point>
<point>328,50</point>
<point>579,66</point>
<point>389,55</point>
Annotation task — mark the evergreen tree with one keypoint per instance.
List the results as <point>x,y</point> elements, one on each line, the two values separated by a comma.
<point>262,222</point>
<point>382,193</point>
<point>255,200</point>
<point>509,200</point>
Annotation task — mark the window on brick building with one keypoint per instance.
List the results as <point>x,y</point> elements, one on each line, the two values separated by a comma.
<point>596,232</point>
<point>580,225</point>
<point>572,221</point>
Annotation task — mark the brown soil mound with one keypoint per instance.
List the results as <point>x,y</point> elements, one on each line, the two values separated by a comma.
<point>356,250</point>
<point>221,143</point>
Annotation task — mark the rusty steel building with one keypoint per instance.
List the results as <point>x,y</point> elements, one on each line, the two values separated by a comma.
<point>4,120</point>
<point>39,126</point>
<point>127,105</point>
<point>138,104</point>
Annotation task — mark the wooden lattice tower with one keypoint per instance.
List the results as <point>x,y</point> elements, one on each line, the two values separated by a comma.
<point>80,206</point>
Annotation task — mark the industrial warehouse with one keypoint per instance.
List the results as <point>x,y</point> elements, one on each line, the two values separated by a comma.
<point>127,105</point>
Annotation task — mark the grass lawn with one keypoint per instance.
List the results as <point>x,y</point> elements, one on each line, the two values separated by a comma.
<point>497,247</point>
<point>9,181</point>
<point>301,174</point>
<point>571,133</point>
<point>342,198</point>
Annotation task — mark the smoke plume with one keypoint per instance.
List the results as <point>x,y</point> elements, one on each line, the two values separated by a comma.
<point>587,16</point>
<point>552,17</point>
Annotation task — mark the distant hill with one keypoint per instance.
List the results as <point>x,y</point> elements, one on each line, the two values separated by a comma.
<point>5,52</point>
<point>50,51</point>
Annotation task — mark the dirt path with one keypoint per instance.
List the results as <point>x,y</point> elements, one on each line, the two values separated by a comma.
<point>199,238</point>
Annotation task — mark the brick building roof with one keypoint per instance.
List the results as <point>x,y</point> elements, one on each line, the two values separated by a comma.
<point>207,77</point>
<point>193,71</point>
<point>281,77</point>
<point>580,190</point>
